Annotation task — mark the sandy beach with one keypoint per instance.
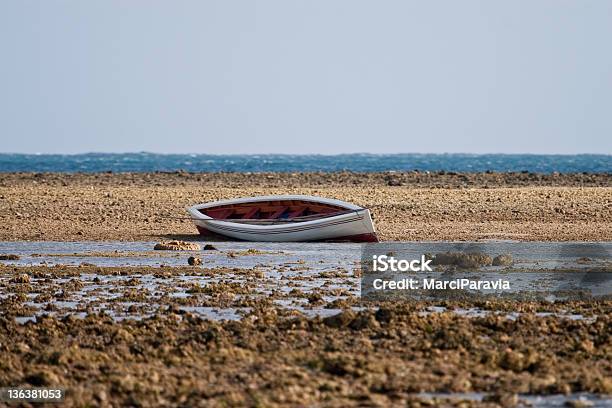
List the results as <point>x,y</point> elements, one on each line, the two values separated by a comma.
<point>406,206</point>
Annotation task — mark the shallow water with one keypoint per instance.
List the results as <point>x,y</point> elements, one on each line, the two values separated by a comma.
<point>531,255</point>
<point>309,268</point>
<point>142,254</point>
<point>537,401</point>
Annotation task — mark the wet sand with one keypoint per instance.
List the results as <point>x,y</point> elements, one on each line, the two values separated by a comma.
<point>406,206</point>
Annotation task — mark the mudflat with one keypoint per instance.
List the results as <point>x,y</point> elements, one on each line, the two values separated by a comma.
<point>406,205</point>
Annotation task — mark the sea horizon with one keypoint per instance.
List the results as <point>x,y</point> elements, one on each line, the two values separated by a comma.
<point>355,162</point>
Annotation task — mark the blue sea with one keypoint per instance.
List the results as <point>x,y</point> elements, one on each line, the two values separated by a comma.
<point>150,162</point>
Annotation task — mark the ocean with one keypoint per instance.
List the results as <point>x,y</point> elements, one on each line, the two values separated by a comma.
<point>151,162</point>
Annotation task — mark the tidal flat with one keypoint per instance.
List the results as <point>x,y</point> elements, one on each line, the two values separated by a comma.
<point>117,323</point>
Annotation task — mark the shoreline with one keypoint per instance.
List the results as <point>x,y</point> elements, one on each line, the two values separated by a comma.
<point>414,178</point>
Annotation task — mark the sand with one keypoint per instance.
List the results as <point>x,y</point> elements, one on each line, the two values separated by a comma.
<point>406,206</point>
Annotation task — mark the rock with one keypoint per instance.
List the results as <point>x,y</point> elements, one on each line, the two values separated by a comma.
<point>193,261</point>
<point>9,257</point>
<point>341,303</point>
<point>22,347</point>
<point>122,335</point>
<point>462,260</point>
<point>177,246</point>
<point>578,403</point>
<point>341,319</point>
<point>587,345</point>
<point>502,260</point>
<point>364,321</point>
<point>43,377</point>
<point>101,396</point>
<point>22,278</point>
<point>513,360</point>
<point>315,298</point>
<point>209,247</point>
<point>503,399</point>
<point>383,315</point>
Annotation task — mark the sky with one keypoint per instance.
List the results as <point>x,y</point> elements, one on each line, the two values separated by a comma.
<point>311,76</point>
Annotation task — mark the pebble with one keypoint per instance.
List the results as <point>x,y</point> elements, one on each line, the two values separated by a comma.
<point>22,278</point>
<point>339,320</point>
<point>9,257</point>
<point>193,261</point>
<point>578,403</point>
<point>502,260</point>
<point>503,399</point>
<point>43,377</point>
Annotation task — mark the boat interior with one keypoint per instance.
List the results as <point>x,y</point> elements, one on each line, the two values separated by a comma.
<point>281,211</point>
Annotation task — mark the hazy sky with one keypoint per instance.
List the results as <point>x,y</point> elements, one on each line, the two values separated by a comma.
<point>306,76</point>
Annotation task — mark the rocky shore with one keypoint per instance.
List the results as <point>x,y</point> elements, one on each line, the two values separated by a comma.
<point>163,351</point>
<point>441,179</point>
<point>381,354</point>
<point>369,358</point>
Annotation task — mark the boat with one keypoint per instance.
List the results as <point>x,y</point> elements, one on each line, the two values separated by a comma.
<point>284,218</point>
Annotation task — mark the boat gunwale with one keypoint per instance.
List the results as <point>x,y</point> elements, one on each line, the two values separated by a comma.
<point>195,210</point>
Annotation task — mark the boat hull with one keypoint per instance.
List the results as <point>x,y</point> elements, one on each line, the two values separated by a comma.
<point>354,225</point>
<point>372,237</point>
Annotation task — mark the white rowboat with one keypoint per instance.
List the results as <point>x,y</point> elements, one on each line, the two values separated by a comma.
<point>284,218</point>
